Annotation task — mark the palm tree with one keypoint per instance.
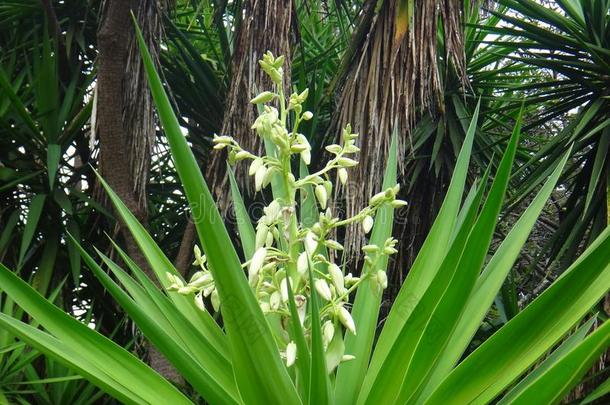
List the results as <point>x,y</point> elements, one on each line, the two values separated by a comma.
<point>391,77</point>
<point>124,116</point>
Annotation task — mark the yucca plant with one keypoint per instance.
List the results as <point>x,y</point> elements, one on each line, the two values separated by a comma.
<point>292,330</point>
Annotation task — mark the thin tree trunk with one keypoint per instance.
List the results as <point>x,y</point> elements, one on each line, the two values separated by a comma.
<point>125,120</point>
<point>265,27</point>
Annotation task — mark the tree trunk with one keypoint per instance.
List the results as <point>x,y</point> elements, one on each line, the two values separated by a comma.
<point>125,121</point>
<point>265,27</point>
<point>390,78</point>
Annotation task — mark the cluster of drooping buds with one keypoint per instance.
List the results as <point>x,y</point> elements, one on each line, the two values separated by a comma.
<point>291,259</point>
<point>201,283</point>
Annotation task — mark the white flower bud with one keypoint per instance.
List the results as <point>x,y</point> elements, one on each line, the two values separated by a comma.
<point>269,240</point>
<point>222,140</point>
<point>322,195</point>
<point>175,281</point>
<point>301,302</point>
<point>291,354</point>
<point>328,332</point>
<point>242,154</point>
<point>272,211</point>
<point>347,357</point>
<point>257,262</point>
<point>284,289</point>
<point>201,279</point>
<point>199,302</point>
<point>342,173</point>
<point>310,243</point>
<point>275,300</point>
<point>307,115</point>
<point>302,265</point>
<point>334,148</point>
<point>259,176</point>
<point>256,163</point>
<point>306,156</point>
<point>346,319</point>
<point>323,289</point>
<point>399,203</point>
<point>262,231</point>
<point>367,224</point>
<point>337,276</point>
<point>346,162</point>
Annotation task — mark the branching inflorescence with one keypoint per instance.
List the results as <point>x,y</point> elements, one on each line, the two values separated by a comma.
<point>285,249</point>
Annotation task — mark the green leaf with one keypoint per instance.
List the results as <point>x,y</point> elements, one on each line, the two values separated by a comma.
<point>247,234</point>
<point>427,262</point>
<point>558,354</point>
<point>34,212</point>
<point>555,382</point>
<point>214,381</point>
<point>83,348</point>
<point>161,265</point>
<point>491,279</point>
<point>425,334</point>
<point>319,383</point>
<point>53,157</point>
<point>512,350</point>
<point>249,335</point>
<point>598,165</point>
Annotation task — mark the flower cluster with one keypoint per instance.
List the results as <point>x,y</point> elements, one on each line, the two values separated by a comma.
<point>291,259</point>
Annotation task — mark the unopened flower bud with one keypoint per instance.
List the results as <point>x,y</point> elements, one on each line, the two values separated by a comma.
<point>302,264</point>
<point>323,289</point>
<point>370,248</point>
<point>259,176</point>
<point>261,235</point>
<point>328,332</point>
<point>291,354</point>
<point>264,97</point>
<point>367,224</point>
<point>346,162</point>
<point>199,302</point>
<point>377,198</point>
<point>399,203</point>
<point>322,195</point>
<point>333,244</point>
<point>242,154</point>
<point>347,357</point>
<point>342,173</point>
<point>257,262</point>
<point>256,163</point>
<point>274,300</point>
<point>334,148</point>
<point>346,319</point>
<point>337,276</point>
<point>310,243</point>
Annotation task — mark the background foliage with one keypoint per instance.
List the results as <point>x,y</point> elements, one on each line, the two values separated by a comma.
<point>549,58</point>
